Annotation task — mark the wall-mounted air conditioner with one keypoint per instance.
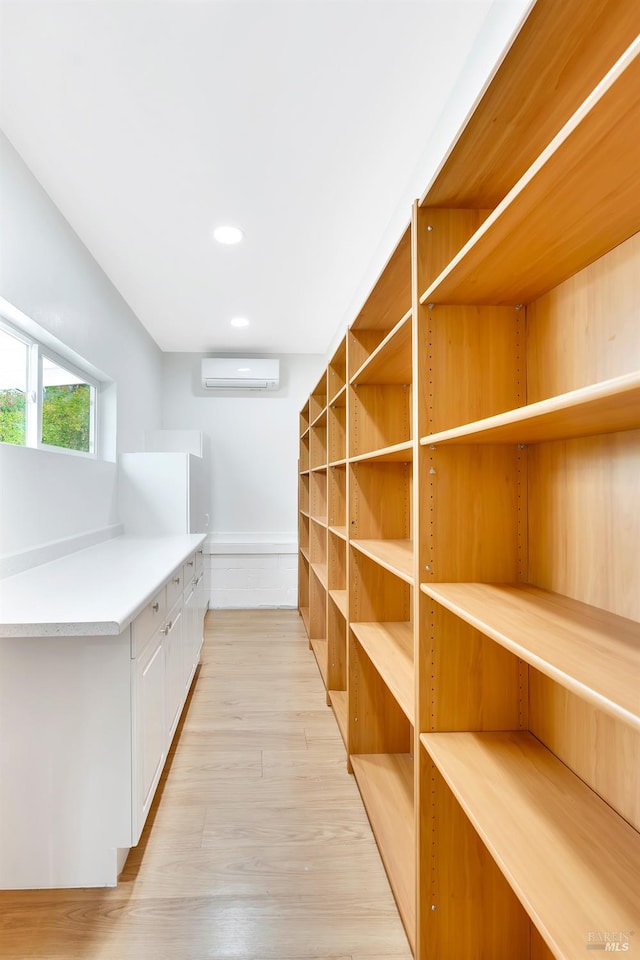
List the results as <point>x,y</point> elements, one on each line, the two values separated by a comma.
<point>225,373</point>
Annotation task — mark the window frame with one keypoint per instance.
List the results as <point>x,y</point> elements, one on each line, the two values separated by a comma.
<point>36,352</point>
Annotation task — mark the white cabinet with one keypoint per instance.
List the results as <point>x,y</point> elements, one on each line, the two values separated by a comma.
<point>174,636</point>
<point>195,607</point>
<point>89,701</point>
<point>164,663</point>
<point>149,727</point>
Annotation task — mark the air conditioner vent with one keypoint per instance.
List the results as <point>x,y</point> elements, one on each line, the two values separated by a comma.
<point>227,373</point>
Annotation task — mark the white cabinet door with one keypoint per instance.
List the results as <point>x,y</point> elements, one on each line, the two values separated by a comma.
<point>203,599</point>
<point>175,668</point>
<point>150,734</point>
<point>191,646</point>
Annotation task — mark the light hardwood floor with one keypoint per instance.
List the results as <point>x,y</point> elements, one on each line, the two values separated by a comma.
<point>257,846</point>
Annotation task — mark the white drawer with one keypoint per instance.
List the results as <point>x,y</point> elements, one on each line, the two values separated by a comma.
<point>199,560</point>
<point>189,572</point>
<point>147,622</point>
<point>174,587</point>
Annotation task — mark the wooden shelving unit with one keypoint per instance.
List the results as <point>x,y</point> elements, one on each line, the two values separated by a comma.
<point>386,784</point>
<point>591,652</point>
<point>530,811</point>
<point>389,646</point>
<point>608,407</point>
<point>479,500</point>
<point>323,528</point>
<point>394,555</point>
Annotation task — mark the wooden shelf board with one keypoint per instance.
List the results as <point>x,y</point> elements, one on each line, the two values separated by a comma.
<point>340,706</point>
<point>394,555</point>
<point>386,785</point>
<point>563,210</point>
<point>319,468</point>
<point>305,553</point>
<point>339,531</point>
<point>305,513</point>
<point>321,572</point>
<point>391,291</point>
<point>342,462</point>
<point>570,859</point>
<point>591,652</point>
<point>321,419</point>
<point>304,613</point>
<point>339,399</point>
<point>321,521</point>
<point>304,432</point>
<point>606,407</point>
<point>399,452</point>
<point>390,362</point>
<point>304,473</point>
<point>321,652</point>
<point>339,597</point>
<point>389,646</point>
<point>491,152</point>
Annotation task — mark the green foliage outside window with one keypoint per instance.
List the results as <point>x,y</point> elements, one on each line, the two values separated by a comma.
<point>66,416</point>
<point>13,418</point>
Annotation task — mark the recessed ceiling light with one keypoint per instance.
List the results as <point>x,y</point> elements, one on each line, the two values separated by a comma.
<point>239,322</point>
<point>228,235</point>
<point>244,369</point>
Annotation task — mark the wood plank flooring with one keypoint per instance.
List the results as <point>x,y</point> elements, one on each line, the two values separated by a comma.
<point>257,846</point>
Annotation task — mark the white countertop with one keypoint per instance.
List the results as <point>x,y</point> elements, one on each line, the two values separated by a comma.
<point>93,592</point>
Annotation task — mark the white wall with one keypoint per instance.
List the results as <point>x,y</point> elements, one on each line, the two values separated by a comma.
<point>251,454</point>
<point>47,273</point>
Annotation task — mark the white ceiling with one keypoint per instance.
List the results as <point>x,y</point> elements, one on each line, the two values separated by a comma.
<point>311,124</point>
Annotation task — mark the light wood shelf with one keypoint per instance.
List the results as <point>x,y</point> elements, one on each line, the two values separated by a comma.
<point>305,553</point>
<point>388,302</point>
<point>606,407</point>
<point>339,531</point>
<point>398,453</point>
<point>386,785</point>
<point>389,646</point>
<point>380,417</point>
<point>390,362</point>
<point>319,646</point>
<point>340,708</point>
<point>304,419</point>
<point>303,462</point>
<point>337,494</point>
<point>320,570</point>
<point>340,399</point>
<point>589,651</point>
<point>562,210</point>
<point>336,448</point>
<point>573,863</point>
<point>541,81</point>
<point>396,556</point>
<point>318,399</point>
<point>304,613</point>
<point>337,374</point>
<point>486,434</point>
<point>339,597</point>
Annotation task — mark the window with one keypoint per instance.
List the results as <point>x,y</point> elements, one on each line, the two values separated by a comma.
<point>14,354</point>
<point>45,401</point>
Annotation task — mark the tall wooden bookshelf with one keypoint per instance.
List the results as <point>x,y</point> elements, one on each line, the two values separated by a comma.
<point>482,611</point>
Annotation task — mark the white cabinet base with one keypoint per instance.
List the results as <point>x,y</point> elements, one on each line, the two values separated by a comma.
<point>65,758</point>
<point>85,727</point>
